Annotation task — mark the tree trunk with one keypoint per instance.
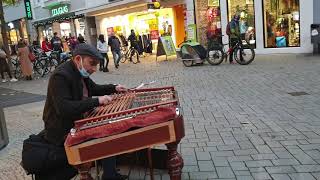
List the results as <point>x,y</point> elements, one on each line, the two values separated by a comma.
<point>4,34</point>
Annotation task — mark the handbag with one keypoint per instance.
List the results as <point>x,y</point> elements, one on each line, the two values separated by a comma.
<point>38,156</point>
<point>2,54</point>
<point>32,57</point>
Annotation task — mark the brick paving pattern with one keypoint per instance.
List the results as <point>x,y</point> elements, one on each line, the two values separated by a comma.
<point>240,121</point>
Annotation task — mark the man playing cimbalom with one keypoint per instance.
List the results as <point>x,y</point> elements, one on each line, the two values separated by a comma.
<point>69,96</point>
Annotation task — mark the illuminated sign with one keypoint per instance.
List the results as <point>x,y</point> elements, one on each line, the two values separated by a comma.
<point>60,10</point>
<point>28,9</point>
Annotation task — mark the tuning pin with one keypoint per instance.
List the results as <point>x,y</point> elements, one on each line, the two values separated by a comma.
<point>73,131</point>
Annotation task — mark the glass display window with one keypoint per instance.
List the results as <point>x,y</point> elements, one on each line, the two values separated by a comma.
<point>246,23</point>
<point>281,23</point>
<point>214,33</point>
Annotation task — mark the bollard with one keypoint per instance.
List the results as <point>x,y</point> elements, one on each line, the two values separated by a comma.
<point>4,140</point>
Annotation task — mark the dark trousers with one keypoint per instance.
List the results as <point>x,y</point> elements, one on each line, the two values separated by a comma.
<point>67,172</point>
<point>4,67</point>
<point>102,63</point>
<point>116,56</point>
<point>233,42</point>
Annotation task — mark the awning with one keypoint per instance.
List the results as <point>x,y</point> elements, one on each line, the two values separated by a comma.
<point>61,18</point>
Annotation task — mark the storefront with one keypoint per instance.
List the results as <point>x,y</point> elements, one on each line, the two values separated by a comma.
<point>271,26</point>
<point>61,20</point>
<point>148,22</point>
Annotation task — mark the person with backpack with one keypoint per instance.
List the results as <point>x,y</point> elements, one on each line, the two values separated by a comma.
<point>115,45</point>
<point>233,31</point>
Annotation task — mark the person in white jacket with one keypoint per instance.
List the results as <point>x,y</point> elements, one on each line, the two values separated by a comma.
<point>102,46</point>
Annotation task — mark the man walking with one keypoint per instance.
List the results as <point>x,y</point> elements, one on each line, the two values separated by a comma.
<point>115,45</point>
<point>57,45</point>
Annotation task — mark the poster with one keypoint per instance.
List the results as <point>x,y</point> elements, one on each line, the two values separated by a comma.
<point>213,3</point>
<point>154,34</point>
<point>192,32</point>
<point>168,45</point>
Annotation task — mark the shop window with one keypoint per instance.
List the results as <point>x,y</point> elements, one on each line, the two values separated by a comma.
<point>214,32</point>
<point>281,23</point>
<point>244,9</point>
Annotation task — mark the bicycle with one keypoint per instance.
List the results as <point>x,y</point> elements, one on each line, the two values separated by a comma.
<point>16,67</point>
<point>244,54</point>
<point>132,54</point>
<point>194,53</point>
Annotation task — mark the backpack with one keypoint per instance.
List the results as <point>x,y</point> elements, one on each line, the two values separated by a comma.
<point>228,30</point>
<point>38,156</point>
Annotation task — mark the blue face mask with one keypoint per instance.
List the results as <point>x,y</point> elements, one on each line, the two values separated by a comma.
<point>84,73</point>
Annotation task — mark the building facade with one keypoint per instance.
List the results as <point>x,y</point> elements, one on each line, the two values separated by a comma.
<point>271,26</point>
<point>17,22</point>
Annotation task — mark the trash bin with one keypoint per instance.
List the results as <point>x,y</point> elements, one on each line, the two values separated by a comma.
<point>4,140</point>
<point>315,37</point>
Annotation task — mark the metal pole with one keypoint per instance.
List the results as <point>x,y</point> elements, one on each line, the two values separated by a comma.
<point>4,139</point>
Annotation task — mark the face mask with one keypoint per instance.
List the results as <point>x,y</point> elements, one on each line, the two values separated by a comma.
<point>83,71</point>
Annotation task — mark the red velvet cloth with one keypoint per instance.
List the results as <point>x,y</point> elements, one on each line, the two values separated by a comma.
<point>158,116</point>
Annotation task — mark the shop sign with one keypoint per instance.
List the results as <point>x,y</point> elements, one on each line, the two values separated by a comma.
<point>192,32</point>
<point>27,5</point>
<point>168,45</point>
<point>60,10</point>
<point>213,2</point>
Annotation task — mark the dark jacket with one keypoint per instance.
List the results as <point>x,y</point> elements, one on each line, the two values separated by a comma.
<point>64,103</point>
<point>56,43</point>
<point>114,43</point>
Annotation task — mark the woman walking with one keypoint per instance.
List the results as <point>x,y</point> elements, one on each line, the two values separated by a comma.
<point>26,65</point>
<point>102,46</point>
<point>4,67</point>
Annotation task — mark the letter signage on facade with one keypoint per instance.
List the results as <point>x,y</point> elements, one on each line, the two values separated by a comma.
<point>28,9</point>
<point>56,11</point>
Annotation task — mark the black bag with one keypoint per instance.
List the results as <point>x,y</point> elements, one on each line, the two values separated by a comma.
<point>38,156</point>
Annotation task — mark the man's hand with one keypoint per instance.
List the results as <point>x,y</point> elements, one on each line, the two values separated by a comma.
<point>121,88</point>
<point>103,100</point>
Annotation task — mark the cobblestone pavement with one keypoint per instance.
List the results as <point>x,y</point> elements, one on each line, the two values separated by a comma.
<point>240,121</point>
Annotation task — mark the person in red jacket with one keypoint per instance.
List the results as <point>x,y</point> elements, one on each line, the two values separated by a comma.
<point>46,45</point>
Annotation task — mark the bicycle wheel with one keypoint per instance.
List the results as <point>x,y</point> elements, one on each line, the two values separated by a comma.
<point>17,70</point>
<point>38,67</point>
<point>123,57</point>
<point>135,56</point>
<point>247,55</point>
<point>215,57</point>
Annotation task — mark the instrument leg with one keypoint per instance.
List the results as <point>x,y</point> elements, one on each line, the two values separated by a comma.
<point>175,161</point>
<point>83,170</point>
<point>150,163</point>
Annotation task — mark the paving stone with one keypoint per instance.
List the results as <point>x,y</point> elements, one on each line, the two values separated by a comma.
<point>206,166</point>
<point>299,176</point>
<point>225,172</point>
<point>244,178</point>
<point>280,169</point>
<point>307,168</point>
<point>280,177</point>
<point>284,162</point>
<point>263,149</point>
<point>202,175</point>
<point>261,176</point>
<point>242,173</point>
<point>220,161</point>
<point>238,166</point>
<point>264,156</point>
<point>203,156</point>
<point>259,163</point>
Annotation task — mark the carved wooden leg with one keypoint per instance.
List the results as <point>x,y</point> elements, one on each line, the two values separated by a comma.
<point>175,161</point>
<point>83,170</point>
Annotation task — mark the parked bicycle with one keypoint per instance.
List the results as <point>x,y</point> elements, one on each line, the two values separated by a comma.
<point>194,53</point>
<point>132,54</point>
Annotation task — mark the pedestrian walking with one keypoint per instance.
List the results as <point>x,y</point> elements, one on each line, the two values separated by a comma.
<point>103,49</point>
<point>25,62</point>
<point>115,45</point>
<point>4,67</point>
<point>57,45</point>
<point>234,35</point>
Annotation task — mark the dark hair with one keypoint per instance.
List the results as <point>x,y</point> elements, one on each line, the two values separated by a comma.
<point>55,33</point>
<point>21,44</point>
<point>101,38</point>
